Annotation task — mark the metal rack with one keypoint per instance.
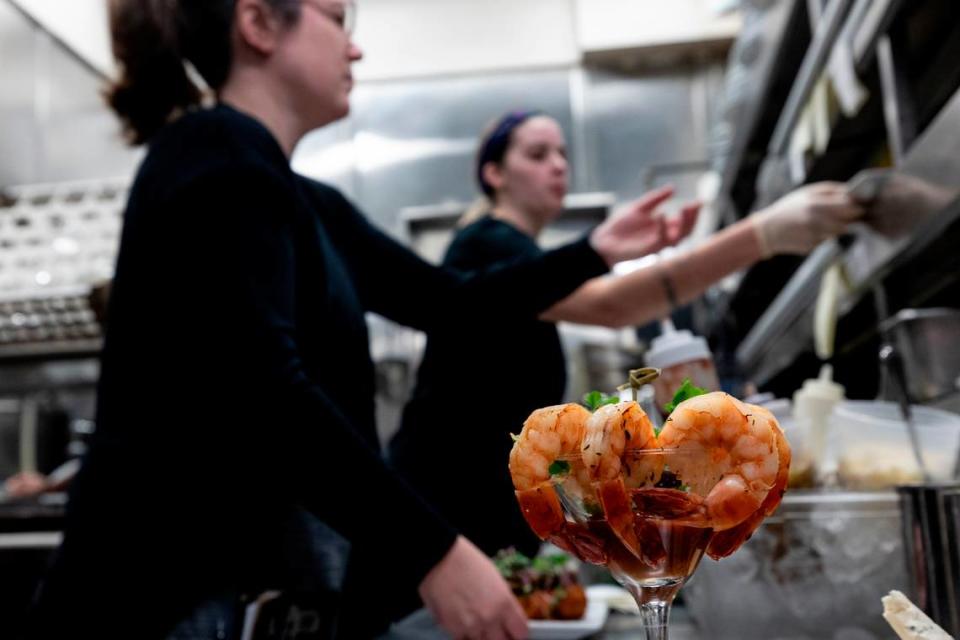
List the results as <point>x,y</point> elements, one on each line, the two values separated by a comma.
<point>916,124</point>
<point>759,59</point>
<point>868,261</point>
<point>58,241</point>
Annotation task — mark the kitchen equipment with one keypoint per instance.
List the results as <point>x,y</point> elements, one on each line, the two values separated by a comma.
<point>815,570</point>
<point>871,449</point>
<point>930,530</point>
<point>891,362</point>
<point>606,364</point>
<point>927,340</point>
<point>9,437</point>
<point>680,355</point>
<point>49,324</point>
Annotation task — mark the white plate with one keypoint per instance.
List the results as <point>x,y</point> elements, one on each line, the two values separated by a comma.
<point>591,622</point>
<point>617,598</point>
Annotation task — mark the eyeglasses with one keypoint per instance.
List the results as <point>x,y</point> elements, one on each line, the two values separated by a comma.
<point>343,14</point>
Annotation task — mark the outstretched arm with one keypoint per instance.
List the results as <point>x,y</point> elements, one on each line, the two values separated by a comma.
<point>396,283</point>
<point>795,224</point>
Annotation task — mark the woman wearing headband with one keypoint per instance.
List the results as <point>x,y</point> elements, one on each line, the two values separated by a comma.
<point>236,382</point>
<point>506,370</point>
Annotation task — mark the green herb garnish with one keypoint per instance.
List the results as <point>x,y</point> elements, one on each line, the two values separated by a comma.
<point>558,559</point>
<point>541,564</point>
<point>596,399</point>
<point>686,391</point>
<point>552,564</point>
<point>559,467</point>
<point>509,562</point>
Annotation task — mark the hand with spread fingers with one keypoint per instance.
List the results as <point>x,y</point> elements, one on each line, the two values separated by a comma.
<point>640,227</point>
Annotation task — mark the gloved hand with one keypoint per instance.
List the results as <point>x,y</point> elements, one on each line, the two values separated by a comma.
<point>802,219</point>
<point>897,202</point>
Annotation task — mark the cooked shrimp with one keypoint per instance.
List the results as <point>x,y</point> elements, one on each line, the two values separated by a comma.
<point>726,542</point>
<point>550,435</point>
<point>733,460</point>
<point>610,435</point>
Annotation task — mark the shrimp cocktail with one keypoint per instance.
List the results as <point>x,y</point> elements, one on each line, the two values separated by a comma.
<point>610,489</point>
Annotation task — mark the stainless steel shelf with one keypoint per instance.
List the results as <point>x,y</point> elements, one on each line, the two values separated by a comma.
<point>753,85</point>
<point>787,309</point>
<point>52,349</point>
<point>813,64</point>
<point>785,328</point>
<point>873,17</point>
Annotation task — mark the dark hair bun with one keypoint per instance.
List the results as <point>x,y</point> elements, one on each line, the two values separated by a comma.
<point>153,85</point>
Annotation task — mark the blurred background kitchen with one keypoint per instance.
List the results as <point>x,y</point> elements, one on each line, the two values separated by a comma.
<point>735,103</point>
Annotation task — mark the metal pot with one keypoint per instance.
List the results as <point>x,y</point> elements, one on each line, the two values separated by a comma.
<point>927,341</point>
<point>931,518</point>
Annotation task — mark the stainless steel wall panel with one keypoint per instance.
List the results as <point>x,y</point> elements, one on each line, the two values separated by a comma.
<point>18,135</point>
<point>329,154</point>
<point>54,125</point>
<point>634,123</point>
<point>80,136</point>
<point>413,143</point>
<point>416,141</point>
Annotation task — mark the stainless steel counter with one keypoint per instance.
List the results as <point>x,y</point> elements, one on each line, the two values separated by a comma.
<point>44,515</point>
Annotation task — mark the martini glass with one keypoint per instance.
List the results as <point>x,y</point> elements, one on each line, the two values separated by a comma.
<point>671,540</point>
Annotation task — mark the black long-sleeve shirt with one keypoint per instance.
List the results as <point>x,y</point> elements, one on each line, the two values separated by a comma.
<point>508,370</point>
<point>236,381</point>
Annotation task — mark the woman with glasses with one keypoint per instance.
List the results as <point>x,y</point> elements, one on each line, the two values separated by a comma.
<point>516,366</point>
<point>236,381</point>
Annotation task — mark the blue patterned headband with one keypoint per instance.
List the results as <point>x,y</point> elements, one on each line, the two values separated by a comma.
<point>495,145</point>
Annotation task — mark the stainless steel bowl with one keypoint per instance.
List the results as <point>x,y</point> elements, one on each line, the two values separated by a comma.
<point>927,341</point>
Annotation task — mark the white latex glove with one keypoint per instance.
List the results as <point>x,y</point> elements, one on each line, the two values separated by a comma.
<point>802,219</point>
<point>639,227</point>
<point>469,598</point>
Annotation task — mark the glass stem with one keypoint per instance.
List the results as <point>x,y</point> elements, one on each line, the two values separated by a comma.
<point>655,616</point>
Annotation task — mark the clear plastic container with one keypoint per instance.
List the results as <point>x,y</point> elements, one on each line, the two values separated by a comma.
<point>804,466</point>
<point>680,355</point>
<point>815,570</point>
<point>870,448</point>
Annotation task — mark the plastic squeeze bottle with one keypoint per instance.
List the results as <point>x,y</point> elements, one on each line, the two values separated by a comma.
<point>679,355</point>
<point>812,405</point>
